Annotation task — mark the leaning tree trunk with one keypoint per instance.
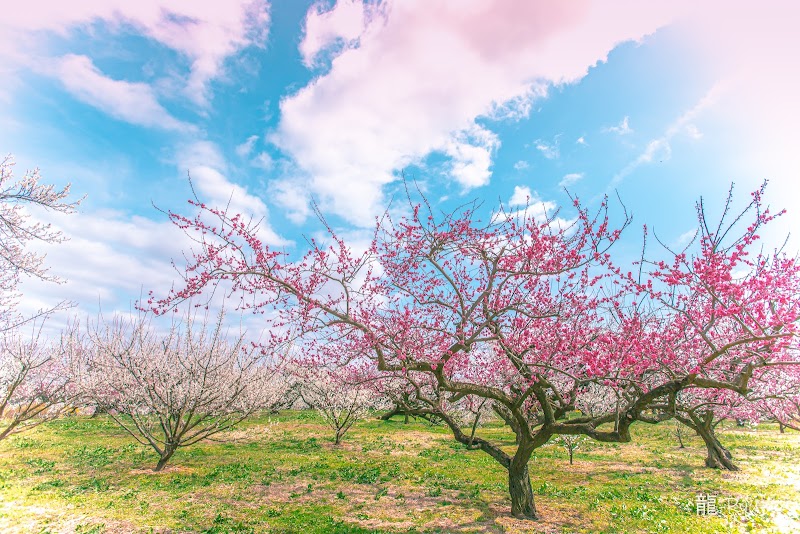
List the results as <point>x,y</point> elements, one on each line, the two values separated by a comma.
<point>337,440</point>
<point>166,454</point>
<point>508,419</point>
<point>391,413</point>
<point>679,434</point>
<point>718,456</point>
<point>397,410</point>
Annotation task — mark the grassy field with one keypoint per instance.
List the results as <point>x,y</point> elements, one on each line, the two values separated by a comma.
<point>282,474</point>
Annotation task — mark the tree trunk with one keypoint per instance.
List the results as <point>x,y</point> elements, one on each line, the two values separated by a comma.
<point>165,456</point>
<point>397,410</point>
<point>388,415</point>
<point>519,486</point>
<point>570,456</point>
<point>718,456</point>
<point>7,431</point>
<point>679,433</point>
<point>781,427</point>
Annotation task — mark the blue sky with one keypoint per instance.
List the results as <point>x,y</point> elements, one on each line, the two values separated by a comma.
<point>272,105</point>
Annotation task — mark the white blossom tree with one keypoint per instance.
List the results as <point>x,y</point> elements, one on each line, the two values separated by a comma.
<point>18,230</point>
<point>34,383</point>
<point>341,395</point>
<point>173,389</point>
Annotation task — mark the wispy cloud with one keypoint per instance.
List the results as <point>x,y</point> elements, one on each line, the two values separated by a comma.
<point>660,147</point>
<point>693,132</point>
<point>623,128</point>
<point>521,165</point>
<point>684,239</point>
<point>570,179</point>
<point>246,148</point>
<point>208,170</point>
<point>550,150</point>
<point>135,103</point>
<point>263,161</point>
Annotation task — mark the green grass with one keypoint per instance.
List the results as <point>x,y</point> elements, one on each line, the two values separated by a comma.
<point>282,474</point>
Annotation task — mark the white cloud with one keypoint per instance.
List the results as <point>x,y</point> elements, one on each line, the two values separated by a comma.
<point>263,161</point>
<point>518,107</point>
<point>693,132</point>
<point>684,239</point>
<point>246,148</point>
<point>532,206</point>
<point>522,196</point>
<point>131,102</point>
<point>111,259</point>
<point>570,179</point>
<point>521,165</point>
<point>548,150</point>
<point>293,198</point>
<point>753,48</point>
<point>205,33</point>
<point>393,95</point>
<point>471,152</point>
<point>343,24</point>
<point>581,141</point>
<point>623,128</point>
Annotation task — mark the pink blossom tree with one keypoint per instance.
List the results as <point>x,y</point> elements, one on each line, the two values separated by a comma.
<point>524,311</point>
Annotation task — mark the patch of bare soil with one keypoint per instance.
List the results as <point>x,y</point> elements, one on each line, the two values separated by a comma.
<point>166,470</point>
<point>27,519</point>
<point>247,435</point>
<point>554,520</point>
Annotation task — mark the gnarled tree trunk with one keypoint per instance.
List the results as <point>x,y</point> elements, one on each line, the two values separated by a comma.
<point>718,457</point>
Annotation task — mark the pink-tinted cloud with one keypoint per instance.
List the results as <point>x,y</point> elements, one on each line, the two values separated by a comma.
<point>752,48</point>
<point>206,33</point>
<point>419,74</point>
<point>132,102</point>
<point>343,25</point>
